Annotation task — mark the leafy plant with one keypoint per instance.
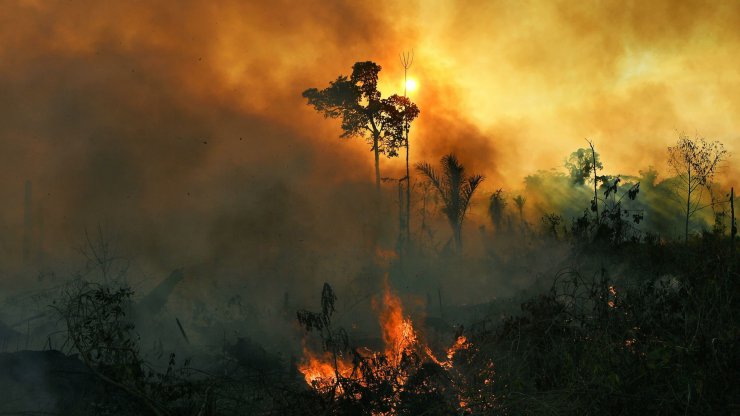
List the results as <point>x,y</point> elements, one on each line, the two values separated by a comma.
<point>455,189</point>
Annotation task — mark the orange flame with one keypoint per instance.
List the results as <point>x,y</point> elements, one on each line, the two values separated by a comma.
<point>398,331</point>
<point>319,371</point>
<point>399,338</point>
<point>460,344</point>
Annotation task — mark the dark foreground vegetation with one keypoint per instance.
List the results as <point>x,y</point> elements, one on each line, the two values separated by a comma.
<point>642,327</point>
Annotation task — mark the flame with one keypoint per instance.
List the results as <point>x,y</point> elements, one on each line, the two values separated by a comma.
<point>399,335</point>
<point>399,338</point>
<point>319,371</point>
<point>460,344</point>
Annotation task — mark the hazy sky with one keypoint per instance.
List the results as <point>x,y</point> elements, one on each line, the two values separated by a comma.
<point>162,116</point>
<point>539,77</point>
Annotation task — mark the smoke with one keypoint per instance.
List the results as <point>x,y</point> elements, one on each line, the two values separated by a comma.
<point>180,127</point>
<point>626,75</point>
<point>171,132</point>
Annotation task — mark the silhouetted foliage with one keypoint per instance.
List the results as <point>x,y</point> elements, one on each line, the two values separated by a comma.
<point>580,165</point>
<point>520,200</point>
<point>357,101</point>
<point>99,329</point>
<point>651,336</point>
<point>695,162</point>
<point>496,207</point>
<point>455,189</point>
<point>551,224</point>
<point>334,340</point>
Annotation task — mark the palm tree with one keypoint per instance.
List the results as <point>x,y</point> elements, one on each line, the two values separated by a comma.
<point>496,208</point>
<point>455,189</point>
<point>520,201</point>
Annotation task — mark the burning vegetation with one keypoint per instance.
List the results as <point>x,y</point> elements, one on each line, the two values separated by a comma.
<point>342,369</point>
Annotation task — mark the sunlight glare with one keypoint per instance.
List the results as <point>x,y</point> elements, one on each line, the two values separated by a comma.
<point>411,85</point>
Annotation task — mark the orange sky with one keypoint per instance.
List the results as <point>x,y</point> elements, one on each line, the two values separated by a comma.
<point>534,78</point>
<point>542,76</point>
<point>106,104</point>
<point>519,83</point>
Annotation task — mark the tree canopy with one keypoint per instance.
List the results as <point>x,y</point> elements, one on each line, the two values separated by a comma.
<point>357,101</point>
<point>695,162</point>
<point>580,164</point>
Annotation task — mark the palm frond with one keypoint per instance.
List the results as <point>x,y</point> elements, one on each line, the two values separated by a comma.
<point>427,170</point>
<point>468,189</point>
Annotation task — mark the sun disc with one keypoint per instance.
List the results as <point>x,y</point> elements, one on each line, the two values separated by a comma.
<point>411,84</point>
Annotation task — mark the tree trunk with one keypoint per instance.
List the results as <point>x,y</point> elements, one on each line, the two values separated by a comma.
<point>377,164</point>
<point>688,209</point>
<point>733,226</point>
<point>400,216</point>
<point>457,229</point>
<point>686,227</point>
<point>408,194</point>
<point>596,195</point>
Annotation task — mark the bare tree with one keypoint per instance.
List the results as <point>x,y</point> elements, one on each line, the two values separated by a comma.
<point>455,189</point>
<point>695,162</point>
<point>407,59</point>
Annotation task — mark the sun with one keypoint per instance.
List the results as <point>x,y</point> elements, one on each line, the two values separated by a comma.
<point>411,85</point>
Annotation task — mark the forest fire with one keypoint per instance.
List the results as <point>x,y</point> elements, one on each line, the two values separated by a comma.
<point>401,341</point>
<point>399,335</point>
<point>319,370</point>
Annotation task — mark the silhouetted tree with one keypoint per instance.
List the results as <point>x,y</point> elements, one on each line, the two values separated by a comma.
<point>614,217</point>
<point>357,101</point>
<point>407,59</point>
<point>583,165</point>
<point>496,207</point>
<point>405,112</point>
<point>455,189</point>
<point>580,165</point>
<point>520,200</point>
<point>550,224</point>
<point>695,162</point>
<point>733,223</point>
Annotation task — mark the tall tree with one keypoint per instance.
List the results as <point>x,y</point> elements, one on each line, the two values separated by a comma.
<point>695,162</point>
<point>455,189</point>
<point>520,200</point>
<point>357,101</point>
<point>407,59</point>
<point>583,165</point>
<point>733,223</point>
<point>496,207</point>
